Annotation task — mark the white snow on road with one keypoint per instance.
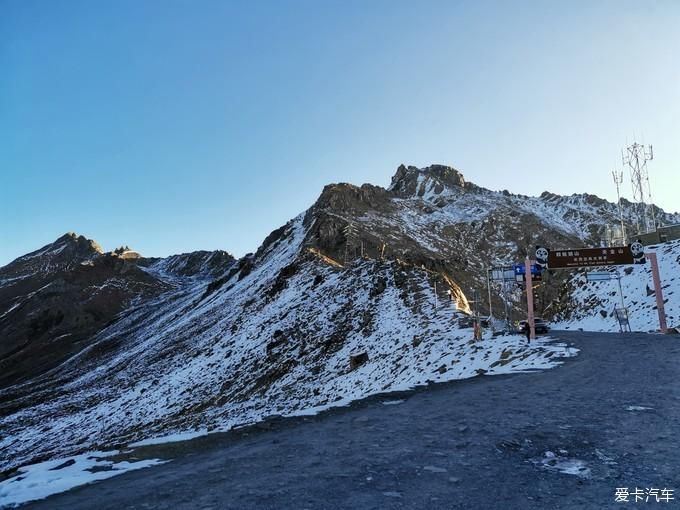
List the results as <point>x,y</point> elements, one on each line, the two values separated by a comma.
<point>41,480</point>
<point>638,408</point>
<point>170,438</point>
<point>392,402</point>
<point>565,465</point>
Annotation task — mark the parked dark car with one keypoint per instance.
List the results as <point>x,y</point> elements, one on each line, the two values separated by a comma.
<point>468,321</point>
<point>540,326</point>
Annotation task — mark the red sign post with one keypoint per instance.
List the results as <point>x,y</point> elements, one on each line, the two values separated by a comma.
<point>658,291</point>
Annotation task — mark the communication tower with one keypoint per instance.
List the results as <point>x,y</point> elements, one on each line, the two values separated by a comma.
<point>635,156</point>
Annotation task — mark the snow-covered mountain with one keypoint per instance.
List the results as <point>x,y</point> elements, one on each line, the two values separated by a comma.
<point>364,292</point>
<point>53,300</point>
<point>432,217</point>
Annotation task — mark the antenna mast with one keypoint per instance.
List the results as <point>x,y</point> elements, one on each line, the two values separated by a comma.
<point>635,157</point>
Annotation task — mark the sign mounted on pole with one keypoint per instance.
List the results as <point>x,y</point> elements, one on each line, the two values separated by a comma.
<point>542,255</point>
<point>600,276</point>
<point>595,257</point>
<point>521,271</point>
<point>502,273</point>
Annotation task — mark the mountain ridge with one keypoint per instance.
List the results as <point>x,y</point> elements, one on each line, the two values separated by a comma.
<point>366,273</point>
<point>408,182</point>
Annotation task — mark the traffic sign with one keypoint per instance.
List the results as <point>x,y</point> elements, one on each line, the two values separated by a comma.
<point>535,269</point>
<point>502,273</point>
<point>521,272</point>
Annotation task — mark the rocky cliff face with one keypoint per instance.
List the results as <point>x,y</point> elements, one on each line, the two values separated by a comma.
<point>411,182</point>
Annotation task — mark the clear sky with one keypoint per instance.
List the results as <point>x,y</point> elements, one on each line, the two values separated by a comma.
<point>173,126</point>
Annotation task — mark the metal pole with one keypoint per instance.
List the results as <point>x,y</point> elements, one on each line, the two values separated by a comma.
<point>658,291</point>
<point>618,179</point>
<point>488,284</point>
<point>505,304</point>
<point>478,325</point>
<point>623,303</point>
<point>530,298</point>
<point>618,278</point>
<point>435,296</point>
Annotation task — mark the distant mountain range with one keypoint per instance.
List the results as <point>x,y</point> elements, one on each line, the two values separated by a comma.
<point>102,348</point>
<point>55,299</point>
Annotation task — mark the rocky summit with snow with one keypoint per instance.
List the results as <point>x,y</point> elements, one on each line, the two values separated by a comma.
<point>367,291</point>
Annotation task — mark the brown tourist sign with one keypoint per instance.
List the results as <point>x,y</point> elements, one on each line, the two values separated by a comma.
<point>592,257</point>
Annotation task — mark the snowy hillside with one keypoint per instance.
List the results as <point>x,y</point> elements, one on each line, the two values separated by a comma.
<point>337,304</point>
<point>275,341</point>
<point>594,302</point>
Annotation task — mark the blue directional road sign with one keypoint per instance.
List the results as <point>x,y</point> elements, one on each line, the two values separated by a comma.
<point>520,270</point>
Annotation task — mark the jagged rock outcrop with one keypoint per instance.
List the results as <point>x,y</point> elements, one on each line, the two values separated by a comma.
<point>357,199</point>
<point>409,182</point>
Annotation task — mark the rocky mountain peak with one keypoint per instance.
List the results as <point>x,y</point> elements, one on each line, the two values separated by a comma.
<point>411,181</point>
<point>68,250</point>
<point>348,197</point>
<point>79,244</point>
<point>213,342</point>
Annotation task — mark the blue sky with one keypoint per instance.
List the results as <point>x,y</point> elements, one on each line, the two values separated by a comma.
<point>173,126</point>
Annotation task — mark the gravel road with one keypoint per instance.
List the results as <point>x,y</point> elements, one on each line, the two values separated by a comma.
<point>608,417</point>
